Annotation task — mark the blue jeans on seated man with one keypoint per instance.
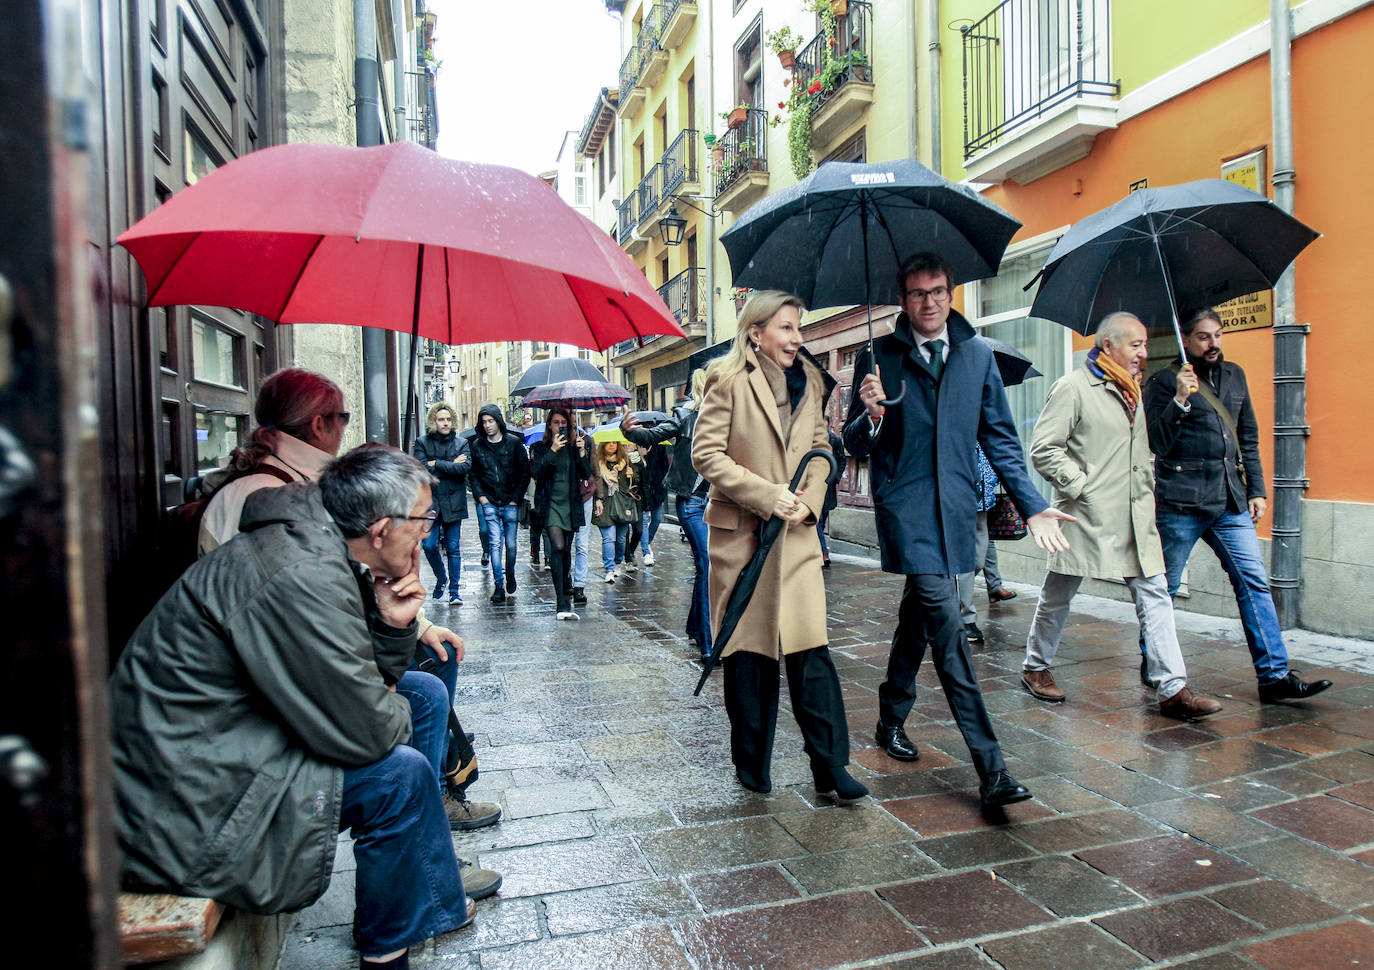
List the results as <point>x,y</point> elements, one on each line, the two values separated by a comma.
<point>501,527</point>
<point>690,510</point>
<point>409,887</point>
<point>1231,535</point>
<point>445,535</point>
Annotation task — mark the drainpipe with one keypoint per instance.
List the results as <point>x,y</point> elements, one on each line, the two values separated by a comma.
<point>398,69</point>
<point>1290,361</point>
<point>711,223</point>
<point>369,132</point>
<point>936,148</point>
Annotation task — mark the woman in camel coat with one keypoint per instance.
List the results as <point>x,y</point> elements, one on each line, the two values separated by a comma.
<point>762,411</point>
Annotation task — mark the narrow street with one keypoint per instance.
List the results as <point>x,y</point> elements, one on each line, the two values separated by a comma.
<point>1246,840</point>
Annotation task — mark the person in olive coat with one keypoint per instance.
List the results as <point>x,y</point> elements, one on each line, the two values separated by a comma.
<point>444,452</point>
<point>559,464</point>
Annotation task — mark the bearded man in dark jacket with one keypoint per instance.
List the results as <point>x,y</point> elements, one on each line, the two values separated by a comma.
<point>500,474</point>
<point>254,714</point>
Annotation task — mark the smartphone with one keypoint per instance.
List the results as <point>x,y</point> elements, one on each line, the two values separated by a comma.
<point>563,437</point>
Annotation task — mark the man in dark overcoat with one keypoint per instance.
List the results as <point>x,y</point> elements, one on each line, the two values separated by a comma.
<point>922,475</point>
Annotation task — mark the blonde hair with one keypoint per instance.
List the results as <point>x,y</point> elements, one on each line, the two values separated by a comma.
<point>756,313</point>
<point>605,465</point>
<point>431,418</point>
<point>698,384</point>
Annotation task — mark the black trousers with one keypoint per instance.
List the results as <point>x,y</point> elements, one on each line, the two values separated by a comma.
<point>560,564</point>
<point>930,613</point>
<point>751,701</point>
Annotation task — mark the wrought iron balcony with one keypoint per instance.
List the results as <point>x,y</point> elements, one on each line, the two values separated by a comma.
<point>741,150</point>
<point>648,192</point>
<point>628,217</point>
<point>685,295</point>
<point>645,44</point>
<point>681,164</point>
<point>849,60</point>
<point>629,71</point>
<point>1026,59</point>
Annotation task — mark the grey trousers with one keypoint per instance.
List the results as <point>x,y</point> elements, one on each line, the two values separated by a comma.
<point>1153,607</point>
<point>982,553</point>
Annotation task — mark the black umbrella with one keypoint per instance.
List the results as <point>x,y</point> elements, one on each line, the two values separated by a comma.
<point>839,235</point>
<point>1159,251</point>
<point>555,370</point>
<point>1013,365</point>
<point>748,579</point>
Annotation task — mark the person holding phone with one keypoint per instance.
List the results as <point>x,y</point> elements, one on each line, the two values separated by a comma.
<point>559,464</point>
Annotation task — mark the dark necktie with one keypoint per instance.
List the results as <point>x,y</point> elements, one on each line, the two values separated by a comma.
<point>937,356</point>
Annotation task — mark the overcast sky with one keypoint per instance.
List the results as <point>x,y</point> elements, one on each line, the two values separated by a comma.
<point>515,77</point>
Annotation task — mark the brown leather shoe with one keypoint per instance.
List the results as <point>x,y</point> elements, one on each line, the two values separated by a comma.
<point>1001,595</point>
<point>1187,706</point>
<point>1041,685</point>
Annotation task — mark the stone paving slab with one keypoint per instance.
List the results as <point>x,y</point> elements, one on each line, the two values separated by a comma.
<point>1245,840</point>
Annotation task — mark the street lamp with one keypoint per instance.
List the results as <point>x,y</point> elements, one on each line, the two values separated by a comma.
<point>672,226</point>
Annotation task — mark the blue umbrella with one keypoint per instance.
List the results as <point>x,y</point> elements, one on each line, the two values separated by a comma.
<point>532,432</point>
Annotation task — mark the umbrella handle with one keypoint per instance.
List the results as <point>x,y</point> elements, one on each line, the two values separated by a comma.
<point>895,400</point>
<point>832,476</point>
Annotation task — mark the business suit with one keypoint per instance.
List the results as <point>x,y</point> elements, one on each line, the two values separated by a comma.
<point>923,475</point>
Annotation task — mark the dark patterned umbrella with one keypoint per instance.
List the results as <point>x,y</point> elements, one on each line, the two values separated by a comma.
<point>555,370</point>
<point>578,394</point>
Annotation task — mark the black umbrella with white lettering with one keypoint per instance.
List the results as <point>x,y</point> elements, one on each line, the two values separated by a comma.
<point>839,236</point>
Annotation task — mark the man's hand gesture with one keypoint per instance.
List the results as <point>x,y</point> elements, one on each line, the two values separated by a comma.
<point>1044,529</point>
<point>399,598</point>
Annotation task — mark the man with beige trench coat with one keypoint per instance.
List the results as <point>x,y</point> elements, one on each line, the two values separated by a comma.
<point>1092,445</point>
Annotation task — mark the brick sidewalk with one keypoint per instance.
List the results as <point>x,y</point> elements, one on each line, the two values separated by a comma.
<point>1246,840</point>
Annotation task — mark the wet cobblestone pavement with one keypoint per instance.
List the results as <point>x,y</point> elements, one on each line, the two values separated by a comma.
<point>1245,840</point>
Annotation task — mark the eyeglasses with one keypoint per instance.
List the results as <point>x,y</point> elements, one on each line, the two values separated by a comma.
<point>426,520</point>
<point>938,293</point>
<point>343,416</point>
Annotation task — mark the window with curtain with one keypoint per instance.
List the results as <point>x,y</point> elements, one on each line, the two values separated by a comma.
<point>1000,308</point>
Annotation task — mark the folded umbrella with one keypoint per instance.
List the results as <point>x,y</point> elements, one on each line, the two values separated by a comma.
<point>1163,250</point>
<point>1013,365</point>
<point>748,579</point>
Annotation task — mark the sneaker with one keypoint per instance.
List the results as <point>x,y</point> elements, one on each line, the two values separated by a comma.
<point>478,883</point>
<point>1187,706</point>
<point>629,566</point>
<point>568,615</point>
<point>464,815</point>
<point>486,559</point>
<point>455,599</point>
<point>439,590</point>
<point>579,596</point>
<point>972,631</point>
<point>649,557</point>
<point>499,596</point>
<point>610,576</point>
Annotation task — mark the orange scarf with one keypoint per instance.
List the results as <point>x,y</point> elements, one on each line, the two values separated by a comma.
<point>1126,382</point>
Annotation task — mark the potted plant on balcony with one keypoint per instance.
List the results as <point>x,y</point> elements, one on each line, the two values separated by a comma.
<point>784,43</point>
<point>716,147</point>
<point>737,115</point>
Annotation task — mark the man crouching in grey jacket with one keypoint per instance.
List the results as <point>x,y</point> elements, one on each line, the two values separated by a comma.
<point>256,714</point>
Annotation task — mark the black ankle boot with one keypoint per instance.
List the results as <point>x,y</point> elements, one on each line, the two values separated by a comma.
<point>834,782</point>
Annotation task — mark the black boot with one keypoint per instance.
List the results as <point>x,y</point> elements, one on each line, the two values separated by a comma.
<point>833,782</point>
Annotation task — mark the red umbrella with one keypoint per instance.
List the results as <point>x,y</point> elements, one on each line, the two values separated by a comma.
<point>395,236</point>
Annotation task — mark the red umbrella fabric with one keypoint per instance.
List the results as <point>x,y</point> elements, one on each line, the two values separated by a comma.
<point>399,237</point>
<point>577,394</point>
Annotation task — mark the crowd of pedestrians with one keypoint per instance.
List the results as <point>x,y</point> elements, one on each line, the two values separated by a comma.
<point>289,685</point>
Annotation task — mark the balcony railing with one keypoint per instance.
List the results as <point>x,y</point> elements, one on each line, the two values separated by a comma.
<point>685,295</point>
<point>645,43</point>
<point>648,192</point>
<point>681,163</point>
<point>625,346</point>
<point>628,217</point>
<point>740,150</point>
<point>849,60</point>
<point>1027,57</point>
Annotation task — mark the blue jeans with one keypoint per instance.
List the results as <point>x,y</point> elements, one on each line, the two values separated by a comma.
<point>1231,535</point>
<point>613,544</point>
<point>502,529</point>
<point>579,569</point>
<point>651,520</point>
<point>689,515</point>
<point>444,534</point>
<point>408,884</point>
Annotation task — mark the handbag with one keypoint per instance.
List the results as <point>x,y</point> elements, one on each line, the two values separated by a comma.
<point>1004,522</point>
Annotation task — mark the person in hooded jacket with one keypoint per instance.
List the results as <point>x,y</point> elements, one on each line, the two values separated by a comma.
<point>499,476</point>
<point>445,454</point>
<point>559,465</point>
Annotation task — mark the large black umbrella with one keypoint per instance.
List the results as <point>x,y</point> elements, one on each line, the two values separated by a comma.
<point>1159,251</point>
<point>1013,365</point>
<point>555,370</point>
<point>839,235</point>
<point>748,579</point>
